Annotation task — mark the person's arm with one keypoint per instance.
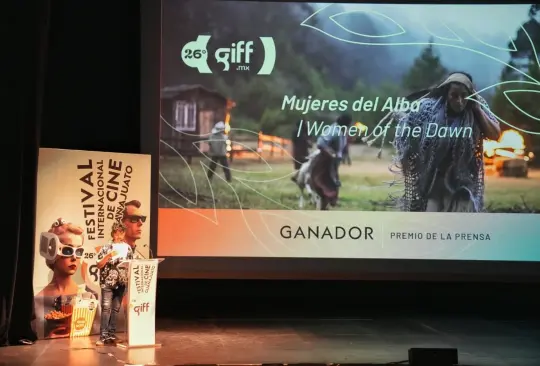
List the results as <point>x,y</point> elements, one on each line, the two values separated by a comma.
<point>324,143</point>
<point>405,143</point>
<point>488,122</point>
<point>103,258</point>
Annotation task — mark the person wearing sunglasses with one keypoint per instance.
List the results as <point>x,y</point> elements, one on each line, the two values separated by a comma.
<point>68,240</point>
<point>133,219</point>
<point>62,247</point>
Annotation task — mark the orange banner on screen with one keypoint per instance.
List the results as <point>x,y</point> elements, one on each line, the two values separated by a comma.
<point>209,233</point>
<point>342,234</point>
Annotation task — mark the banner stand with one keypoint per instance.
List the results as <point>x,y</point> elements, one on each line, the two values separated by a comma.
<point>141,303</point>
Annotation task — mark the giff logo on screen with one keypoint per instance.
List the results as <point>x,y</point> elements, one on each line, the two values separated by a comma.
<point>195,54</point>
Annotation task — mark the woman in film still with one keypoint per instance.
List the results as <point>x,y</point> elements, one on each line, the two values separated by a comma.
<point>443,172</point>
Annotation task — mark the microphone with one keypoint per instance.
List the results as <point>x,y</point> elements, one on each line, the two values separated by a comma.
<point>149,250</point>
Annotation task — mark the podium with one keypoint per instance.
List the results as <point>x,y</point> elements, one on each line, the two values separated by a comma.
<point>141,303</point>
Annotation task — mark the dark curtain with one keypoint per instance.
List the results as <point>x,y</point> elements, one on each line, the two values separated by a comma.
<point>73,83</point>
<point>19,158</point>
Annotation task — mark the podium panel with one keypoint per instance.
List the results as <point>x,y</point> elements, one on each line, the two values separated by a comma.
<point>141,303</point>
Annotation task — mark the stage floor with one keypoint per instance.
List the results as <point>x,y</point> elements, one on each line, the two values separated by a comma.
<point>371,340</point>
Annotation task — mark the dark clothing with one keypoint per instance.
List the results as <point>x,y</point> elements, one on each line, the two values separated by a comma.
<point>301,145</point>
<point>218,144</point>
<point>222,160</point>
<point>325,179</point>
<point>298,160</point>
<point>218,154</point>
<point>335,140</point>
<point>111,303</point>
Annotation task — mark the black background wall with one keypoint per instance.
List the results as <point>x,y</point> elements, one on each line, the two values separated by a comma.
<point>74,84</point>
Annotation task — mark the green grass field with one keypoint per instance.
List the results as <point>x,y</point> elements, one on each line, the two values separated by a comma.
<point>365,187</point>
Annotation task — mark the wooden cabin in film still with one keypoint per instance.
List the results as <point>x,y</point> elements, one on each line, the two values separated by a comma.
<point>189,113</point>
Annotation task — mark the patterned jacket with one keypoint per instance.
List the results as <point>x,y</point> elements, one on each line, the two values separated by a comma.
<point>110,275</point>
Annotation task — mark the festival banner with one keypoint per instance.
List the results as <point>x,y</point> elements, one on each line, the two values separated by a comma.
<point>80,194</point>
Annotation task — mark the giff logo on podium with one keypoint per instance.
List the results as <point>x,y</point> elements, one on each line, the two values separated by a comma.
<point>236,57</point>
<point>143,308</point>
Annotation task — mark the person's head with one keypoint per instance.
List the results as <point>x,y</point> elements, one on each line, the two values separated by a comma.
<point>469,76</point>
<point>118,231</point>
<point>456,89</point>
<point>344,120</point>
<point>219,127</point>
<point>133,219</point>
<point>71,237</point>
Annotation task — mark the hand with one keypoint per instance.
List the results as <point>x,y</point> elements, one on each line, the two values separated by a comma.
<point>478,110</point>
<point>114,253</point>
<point>475,101</point>
<point>331,153</point>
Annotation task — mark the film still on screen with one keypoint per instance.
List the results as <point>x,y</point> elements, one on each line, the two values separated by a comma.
<point>416,123</point>
<point>309,184</point>
<point>317,117</point>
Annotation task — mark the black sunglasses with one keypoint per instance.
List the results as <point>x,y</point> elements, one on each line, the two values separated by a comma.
<point>134,218</point>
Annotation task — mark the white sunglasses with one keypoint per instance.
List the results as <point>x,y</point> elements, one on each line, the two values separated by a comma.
<point>50,247</point>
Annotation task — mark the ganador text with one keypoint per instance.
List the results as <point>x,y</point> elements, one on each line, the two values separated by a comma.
<point>326,232</point>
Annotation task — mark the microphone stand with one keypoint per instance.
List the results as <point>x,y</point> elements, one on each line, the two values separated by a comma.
<point>149,250</point>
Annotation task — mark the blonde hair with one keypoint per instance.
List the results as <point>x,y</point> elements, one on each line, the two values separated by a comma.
<point>118,226</point>
<point>63,230</point>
